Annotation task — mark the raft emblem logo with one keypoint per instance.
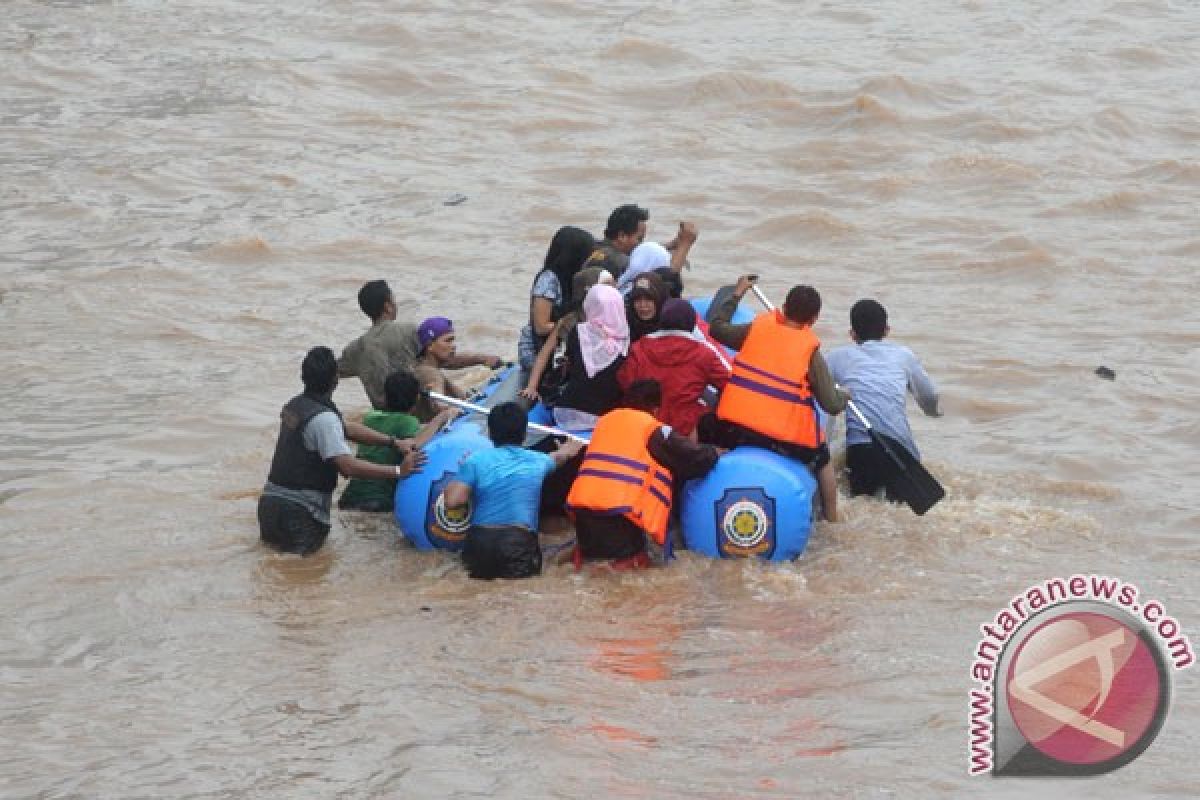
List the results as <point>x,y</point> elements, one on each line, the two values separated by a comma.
<point>746,520</point>
<point>447,528</point>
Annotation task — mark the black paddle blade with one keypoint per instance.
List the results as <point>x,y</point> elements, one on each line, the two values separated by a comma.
<point>908,481</point>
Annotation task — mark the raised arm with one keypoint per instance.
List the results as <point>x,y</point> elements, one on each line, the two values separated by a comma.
<point>682,245</point>
<point>721,328</point>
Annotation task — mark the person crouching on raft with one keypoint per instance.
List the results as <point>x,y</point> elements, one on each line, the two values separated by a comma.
<point>505,484</point>
<point>778,378</point>
<point>623,492</point>
<point>293,511</point>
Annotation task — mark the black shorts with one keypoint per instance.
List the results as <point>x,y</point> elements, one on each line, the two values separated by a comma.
<point>502,553</point>
<point>607,536</point>
<point>288,527</point>
<point>712,430</point>
<point>868,469</point>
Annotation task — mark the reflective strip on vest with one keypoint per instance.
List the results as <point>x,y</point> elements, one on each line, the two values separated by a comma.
<point>768,391</point>
<point>619,477</point>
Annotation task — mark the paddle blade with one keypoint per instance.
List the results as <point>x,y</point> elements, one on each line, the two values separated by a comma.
<point>908,481</point>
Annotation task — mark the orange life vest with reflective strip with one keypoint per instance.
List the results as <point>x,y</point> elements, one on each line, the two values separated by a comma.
<point>768,391</point>
<point>620,477</point>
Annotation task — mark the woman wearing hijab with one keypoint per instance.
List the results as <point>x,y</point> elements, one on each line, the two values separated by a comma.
<point>550,297</point>
<point>652,256</point>
<point>596,348</point>
<point>646,298</point>
<point>683,363</point>
<point>544,382</point>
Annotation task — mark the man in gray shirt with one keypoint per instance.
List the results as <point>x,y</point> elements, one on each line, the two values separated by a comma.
<point>878,374</point>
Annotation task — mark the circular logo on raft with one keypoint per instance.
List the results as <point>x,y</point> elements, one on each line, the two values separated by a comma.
<point>446,527</point>
<point>745,522</point>
<point>1086,691</point>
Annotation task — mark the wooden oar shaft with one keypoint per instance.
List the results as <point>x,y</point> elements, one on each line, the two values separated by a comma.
<point>478,409</point>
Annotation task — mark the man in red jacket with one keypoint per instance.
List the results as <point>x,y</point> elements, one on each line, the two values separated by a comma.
<point>682,361</point>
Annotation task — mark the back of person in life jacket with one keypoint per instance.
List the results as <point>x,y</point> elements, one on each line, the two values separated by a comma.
<point>624,489</point>
<point>769,391</point>
<point>779,378</point>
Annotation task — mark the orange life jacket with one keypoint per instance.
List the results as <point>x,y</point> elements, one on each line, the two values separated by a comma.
<point>620,477</point>
<point>768,391</point>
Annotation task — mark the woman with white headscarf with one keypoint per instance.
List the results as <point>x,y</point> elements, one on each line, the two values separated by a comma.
<point>596,348</point>
<point>651,256</point>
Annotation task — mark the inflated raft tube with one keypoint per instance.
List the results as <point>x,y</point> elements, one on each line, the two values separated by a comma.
<point>753,504</point>
<point>421,513</point>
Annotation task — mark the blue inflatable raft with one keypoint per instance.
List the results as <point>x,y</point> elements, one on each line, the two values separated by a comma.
<point>753,504</point>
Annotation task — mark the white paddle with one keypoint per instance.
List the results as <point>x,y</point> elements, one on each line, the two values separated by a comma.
<point>477,409</point>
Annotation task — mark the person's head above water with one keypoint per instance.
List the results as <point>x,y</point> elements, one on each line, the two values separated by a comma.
<point>568,251</point>
<point>647,296</point>
<point>376,300</point>
<point>400,391</point>
<point>436,338</point>
<point>803,305</point>
<point>677,315</point>
<point>318,371</point>
<point>644,395</point>
<point>868,320</point>
<point>626,227</point>
<point>506,424</point>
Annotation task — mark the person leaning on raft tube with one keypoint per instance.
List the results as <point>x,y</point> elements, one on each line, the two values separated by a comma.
<point>623,492</point>
<point>389,345</point>
<point>293,511</point>
<point>879,374</point>
<point>505,484</point>
<point>438,346</point>
<point>395,419</point>
<point>777,375</point>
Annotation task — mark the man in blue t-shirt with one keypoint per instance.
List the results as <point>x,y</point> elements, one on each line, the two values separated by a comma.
<point>505,484</point>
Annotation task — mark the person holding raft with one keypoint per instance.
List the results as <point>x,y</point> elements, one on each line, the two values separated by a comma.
<point>880,374</point>
<point>389,345</point>
<point>438,346</point>
<point>504,484</point>
<point>552,295</point>
<point>778,378</point>
<point>396,420</point>
<point>623,492</point>
<point>310,452</point>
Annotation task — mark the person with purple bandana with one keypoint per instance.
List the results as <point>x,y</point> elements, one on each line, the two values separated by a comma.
<point>437,345</point>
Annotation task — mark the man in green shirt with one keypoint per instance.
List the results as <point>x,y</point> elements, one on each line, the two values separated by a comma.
<point>395,419</point>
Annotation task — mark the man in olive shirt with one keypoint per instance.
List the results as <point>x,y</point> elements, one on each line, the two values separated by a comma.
<point>389,345</point>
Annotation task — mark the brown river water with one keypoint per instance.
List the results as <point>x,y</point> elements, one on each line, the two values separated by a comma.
<point>192,192</point>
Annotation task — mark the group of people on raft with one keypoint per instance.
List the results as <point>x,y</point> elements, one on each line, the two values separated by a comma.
<point>612,348</point>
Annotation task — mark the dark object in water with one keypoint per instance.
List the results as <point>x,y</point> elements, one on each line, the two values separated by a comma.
<point>1106,373</point>
<point>455,200</point>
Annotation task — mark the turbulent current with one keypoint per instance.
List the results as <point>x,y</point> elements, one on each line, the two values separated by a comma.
<point>192,192</point>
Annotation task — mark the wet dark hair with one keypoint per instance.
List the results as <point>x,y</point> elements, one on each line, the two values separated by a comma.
<point>400,391</point>
<point>868,318</point>
<point>319,371</point>
<point>568,251</point>
<point>671,280</point>
<point>644,395</point>
<point>625,219</point>
<point>802,305</point>
<point>507,423</point>
<point>372,297</point>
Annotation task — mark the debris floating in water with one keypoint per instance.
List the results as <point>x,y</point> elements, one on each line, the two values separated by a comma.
<point>1106,373</point>
<point>455,200</point>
